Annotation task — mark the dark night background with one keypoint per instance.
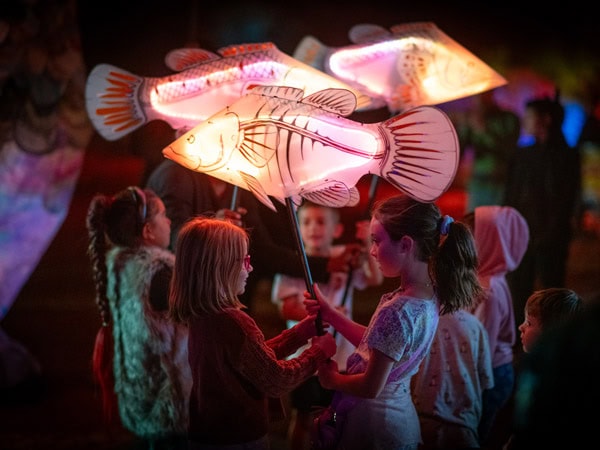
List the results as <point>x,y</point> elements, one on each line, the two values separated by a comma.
<point>55,315</point>
<point>559,43</point>
<point>535,48</point>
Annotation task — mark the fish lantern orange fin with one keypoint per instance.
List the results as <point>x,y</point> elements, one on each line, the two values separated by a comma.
<point>241,49</point>
<point>112,101</point>
<point>363,33</point>
<point>183,58</point>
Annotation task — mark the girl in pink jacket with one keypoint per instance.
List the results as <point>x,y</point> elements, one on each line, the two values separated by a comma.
<point>501,236</point>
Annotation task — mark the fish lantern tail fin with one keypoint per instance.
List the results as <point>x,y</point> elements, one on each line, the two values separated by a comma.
<point>424,153</point>
<point>111,100</point>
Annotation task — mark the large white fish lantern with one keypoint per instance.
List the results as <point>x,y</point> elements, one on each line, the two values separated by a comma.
<point>411,65</point>
<point>276,142</point>
<point>118,101</point>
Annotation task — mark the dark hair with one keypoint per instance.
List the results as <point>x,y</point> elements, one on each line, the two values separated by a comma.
<point>452,259</point>
<point>119,221</point>
<point>550,107</point>
<point>557,385</point>
<point>469,220</point>
<point>113,221</point>
<point>553,305</point>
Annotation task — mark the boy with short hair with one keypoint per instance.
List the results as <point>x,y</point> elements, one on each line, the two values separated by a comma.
<point>547,308</point>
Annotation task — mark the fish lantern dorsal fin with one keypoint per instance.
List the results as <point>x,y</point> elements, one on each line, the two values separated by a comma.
<point>241,49</point>
<point>338,101</point>
<point>283,92</point>
<point>183,58</point>
<point>367,32</point>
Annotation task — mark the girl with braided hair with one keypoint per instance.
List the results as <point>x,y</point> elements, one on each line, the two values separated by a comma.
<point>140,357</point>
<point>435,260</point>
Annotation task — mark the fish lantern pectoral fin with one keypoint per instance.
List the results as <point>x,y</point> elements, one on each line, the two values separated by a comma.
<point>254,186</point>
<point>334,194</point>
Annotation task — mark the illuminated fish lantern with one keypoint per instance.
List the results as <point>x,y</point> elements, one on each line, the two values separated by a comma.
<point>118,102</point>
<point>411,65</point>
<point>276,142</point>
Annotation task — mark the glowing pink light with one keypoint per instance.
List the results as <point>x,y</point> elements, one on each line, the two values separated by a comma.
<point>119,102</point>
<point>276,142</point>
<point>411,65</point>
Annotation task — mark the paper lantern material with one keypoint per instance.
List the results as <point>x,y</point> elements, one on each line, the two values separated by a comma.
<point>410,65</point>
<point>276,142</point>
<point>118,102</point>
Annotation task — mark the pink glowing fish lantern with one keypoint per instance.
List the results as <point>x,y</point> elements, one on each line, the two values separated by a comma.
<point>118,102</point>
<point>410,65</point>
<point>278,142</point>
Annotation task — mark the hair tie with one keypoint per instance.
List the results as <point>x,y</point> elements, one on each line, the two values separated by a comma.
<point>445,225</point>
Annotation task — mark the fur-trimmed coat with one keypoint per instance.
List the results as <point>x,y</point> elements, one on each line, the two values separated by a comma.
<point>152,373</point>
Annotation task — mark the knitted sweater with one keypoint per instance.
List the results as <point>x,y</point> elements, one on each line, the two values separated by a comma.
<point>152,374</point>
<point>235,372</point>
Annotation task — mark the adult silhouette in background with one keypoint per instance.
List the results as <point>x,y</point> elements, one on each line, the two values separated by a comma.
<point>588,145</point>
<point>543,184</point>
<point>491,134</point>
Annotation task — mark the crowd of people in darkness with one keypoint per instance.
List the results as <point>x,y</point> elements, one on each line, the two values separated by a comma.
<point>476,345</point>
<point>439,353</point>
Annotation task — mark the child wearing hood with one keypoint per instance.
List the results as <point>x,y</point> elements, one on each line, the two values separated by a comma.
<point>501,236</point>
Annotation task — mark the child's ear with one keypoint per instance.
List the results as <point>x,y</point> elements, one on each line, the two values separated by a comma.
<point>147,233</point>
<point>338,231</point>
<point>406,243</point>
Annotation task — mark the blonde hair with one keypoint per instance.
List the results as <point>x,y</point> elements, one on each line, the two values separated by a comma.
<point>210,255</point>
